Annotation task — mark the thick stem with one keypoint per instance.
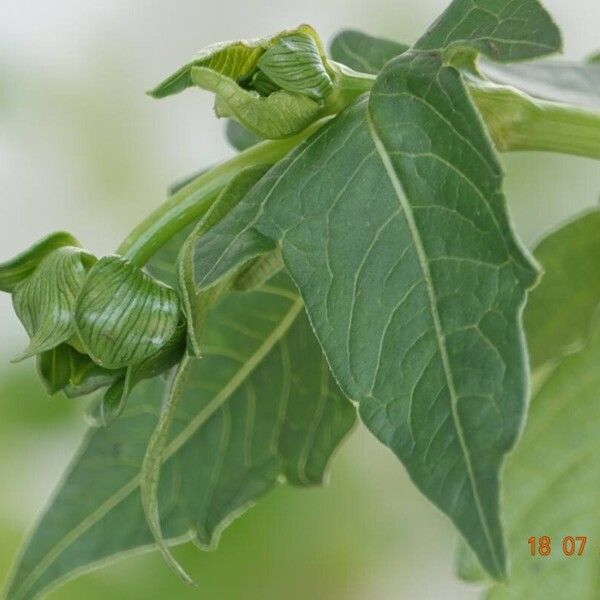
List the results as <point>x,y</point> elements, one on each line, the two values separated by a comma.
<point>517,121</point>
<point>194,199</point>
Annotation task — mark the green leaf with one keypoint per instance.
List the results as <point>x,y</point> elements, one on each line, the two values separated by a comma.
<point>594,58</point>
<point>203,275</point>
<point>20,267</point>
<point>45,301</point>
<point>279,115</point>
<point>552,459</point>
<point>87,377</point>
<point>54,368</point>
<point>552,484</point>
<point>227,68</point>
<point>295,64</point>
<point>566,83</point>
<point>392,223</point>
<point>260,406</point>
<point>561,308</point>
<point>503,30</point>
<point>362,52</point>
<point>123,316</point>
<point>239,137</point>
<point>168,356</point>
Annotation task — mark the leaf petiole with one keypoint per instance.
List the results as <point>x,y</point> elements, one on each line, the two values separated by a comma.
<point>193,200</point>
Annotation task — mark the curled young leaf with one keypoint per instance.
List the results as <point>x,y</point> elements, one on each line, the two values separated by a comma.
<point>124,316</point>
<point>279,115</point>
<point>295,64</point>
<point>273,86</point>
<point>45,301</point>
<point>19,268</point>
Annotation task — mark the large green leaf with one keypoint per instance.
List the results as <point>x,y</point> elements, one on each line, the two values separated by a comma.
<point>363,52</point>
<point>552,480</point>
<point>259,407</point>
<point>561,308</point>
<point>392,223</point>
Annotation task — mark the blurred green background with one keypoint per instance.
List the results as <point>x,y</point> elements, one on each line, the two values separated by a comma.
<point>83,149</point>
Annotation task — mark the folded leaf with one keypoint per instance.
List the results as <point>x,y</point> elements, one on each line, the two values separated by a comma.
<point>260,406</point>
<point>23,265</point>
<point>293,70</point>
<point>561,309</point>
<point>124,316</point>
<point>392,223</point>
<point>295,64</point>
<point>45,301</point>
<point>279,115</point>
<point>363,52</point>
<point>503,30</point>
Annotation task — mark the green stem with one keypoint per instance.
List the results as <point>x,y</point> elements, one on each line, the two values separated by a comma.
<point>193,200</point>
<point>517,121</point>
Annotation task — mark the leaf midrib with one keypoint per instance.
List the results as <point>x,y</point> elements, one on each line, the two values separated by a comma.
<point>440,337</point>
<point>239,377</point>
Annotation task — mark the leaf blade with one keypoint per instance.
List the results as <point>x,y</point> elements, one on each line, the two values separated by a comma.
<point>358,217</point>
<point>363,52</point>
<point>112,522</point>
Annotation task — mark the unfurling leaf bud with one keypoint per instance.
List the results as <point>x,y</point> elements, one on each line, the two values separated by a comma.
<point>275,86</point>
<point>123,316</point>
<point>44,301</point>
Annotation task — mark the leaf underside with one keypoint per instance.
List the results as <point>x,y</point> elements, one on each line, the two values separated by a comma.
<point>260,406</point>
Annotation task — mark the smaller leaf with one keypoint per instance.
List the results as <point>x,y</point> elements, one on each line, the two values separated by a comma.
<point>239,137</point>
<point>363,52</point>
<point>54,368</point>
<point>205,266</point>
<point>561,308</point>
<point>169,355</point>
<point>23,265</point>
<point>595,58</point>
<point>64,369</point>
<point>45,301</point>
<point>124,316</point>
<point>276,116</point>
<point>87,377</point>
<point>294,63</point>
